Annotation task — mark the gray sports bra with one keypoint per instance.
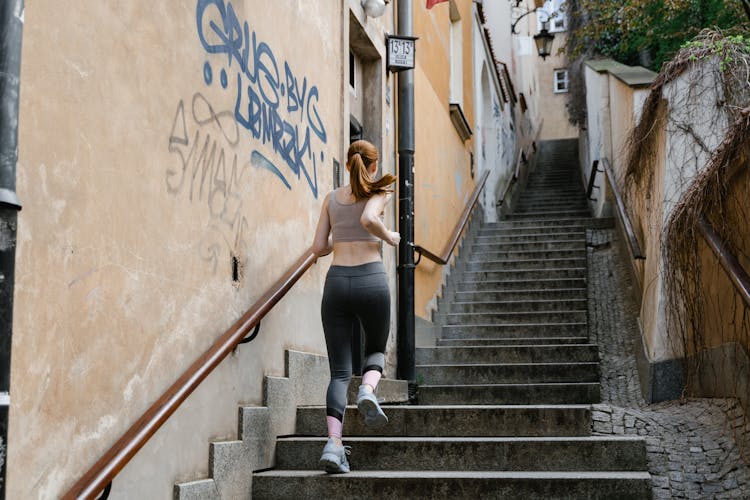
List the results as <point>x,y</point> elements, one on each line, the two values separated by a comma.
<point>344,217</point>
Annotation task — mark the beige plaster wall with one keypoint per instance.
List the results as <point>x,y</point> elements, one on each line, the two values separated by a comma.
<point>140,186</point>
<point>642,204</point>
<point>551,105</point>
<point>442,178</point>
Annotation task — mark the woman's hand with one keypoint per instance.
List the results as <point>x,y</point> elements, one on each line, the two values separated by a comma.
<point>394,238</point>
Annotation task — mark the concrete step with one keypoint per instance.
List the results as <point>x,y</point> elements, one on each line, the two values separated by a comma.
<point>509,241</point>
<point>510,394</point>
<point>513,295</point>
<point>589,222</point>
<point>543,195</point>
<point>418,484</point>
<point>493,250</point>
<point>515,318</point>
<point>457,420</point>
<point>561,214</point>
<point>551,202</point>
<point>508,373</point>
<point>568,353</point>
<point>573,453</point>
<point>389,390</point>
<point>519,306</point>
<point>485,277</point>
<point>577,202</point>
<point>577,251</point>
<point>543,187</point>
<point>518,330</point>
<point>497,262</point>
<point>556,192</point>
<point>550,230</point>
<point>554,182</point>
<point>521,284</point>
<point>497,342</point>
<point>548,207</point>
<point>560,240</point>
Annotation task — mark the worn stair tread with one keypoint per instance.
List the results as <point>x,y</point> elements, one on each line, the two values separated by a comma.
<point>458,407</point>
<point>529,353</point>
<point>537,282</point>
<point>520,341</point>
<point>458,474</point>
<point>577,269</point>
<point>469,439</point>
<point>534,384</point>
<point>521,292</point>
<point>525,325</point>
<point>552,453</point>
<point>519,346</point>
<point>481,365</point>
<point>457,420</point>
<point>550,263</point>
<point>504,303</point>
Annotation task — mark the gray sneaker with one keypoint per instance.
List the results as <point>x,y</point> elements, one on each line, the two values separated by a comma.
<point>369,408</point>
<point>333,460</point>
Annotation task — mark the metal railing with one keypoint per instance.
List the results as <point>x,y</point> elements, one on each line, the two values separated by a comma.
<point>99,476</point>
<point>635,247</point>
<point>445,255</point>
<point>737,274</point>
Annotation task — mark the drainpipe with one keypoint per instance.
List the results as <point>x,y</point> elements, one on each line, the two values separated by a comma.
<point>405,345</point>
<point>11,30</point>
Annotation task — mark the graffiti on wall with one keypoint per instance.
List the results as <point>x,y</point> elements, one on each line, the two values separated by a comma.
<point>272,103</point>
<point>268,105</point>
<point>209,171</point>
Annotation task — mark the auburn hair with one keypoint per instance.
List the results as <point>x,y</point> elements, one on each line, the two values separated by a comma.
<point>361,155</point>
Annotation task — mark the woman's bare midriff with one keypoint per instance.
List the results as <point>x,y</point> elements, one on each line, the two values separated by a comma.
<point>355,253</point>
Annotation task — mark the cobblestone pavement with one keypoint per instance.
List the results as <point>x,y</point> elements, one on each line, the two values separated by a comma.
<point>691,445</point>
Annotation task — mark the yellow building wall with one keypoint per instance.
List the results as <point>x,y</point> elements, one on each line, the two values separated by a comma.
<point>442,178</point>
<point>153,163</point>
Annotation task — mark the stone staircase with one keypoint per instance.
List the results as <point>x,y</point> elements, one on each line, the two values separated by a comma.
<point>505,396</point>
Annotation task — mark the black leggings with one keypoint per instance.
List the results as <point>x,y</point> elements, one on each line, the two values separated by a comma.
<point>353,293</point>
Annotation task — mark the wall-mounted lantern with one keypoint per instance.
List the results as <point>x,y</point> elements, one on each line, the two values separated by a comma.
<point>544,38</point>
<point>543,41</point>
<point>400,53</point>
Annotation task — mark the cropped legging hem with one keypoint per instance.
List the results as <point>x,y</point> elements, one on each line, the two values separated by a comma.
<point>353,293</point>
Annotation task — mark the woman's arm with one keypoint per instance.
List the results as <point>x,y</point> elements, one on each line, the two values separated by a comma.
<point>322,242</point>
<point>370,219</point>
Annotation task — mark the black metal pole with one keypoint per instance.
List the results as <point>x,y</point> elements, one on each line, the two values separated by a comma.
<point>11,31</point>
<point>406,353</point>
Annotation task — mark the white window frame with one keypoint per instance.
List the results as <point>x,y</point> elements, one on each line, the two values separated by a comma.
<point>565,80</point>
<point>558,21</point>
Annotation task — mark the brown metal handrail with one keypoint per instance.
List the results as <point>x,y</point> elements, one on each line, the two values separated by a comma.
<point>728,261</point>
<point>635,247</point>
<point>445,256</point>
<point>98,477</point>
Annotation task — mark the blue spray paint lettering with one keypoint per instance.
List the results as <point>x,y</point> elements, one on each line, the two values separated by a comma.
<point>260,90</point>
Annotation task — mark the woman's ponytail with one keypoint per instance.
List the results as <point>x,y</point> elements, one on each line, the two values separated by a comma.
<point>362,154</point>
